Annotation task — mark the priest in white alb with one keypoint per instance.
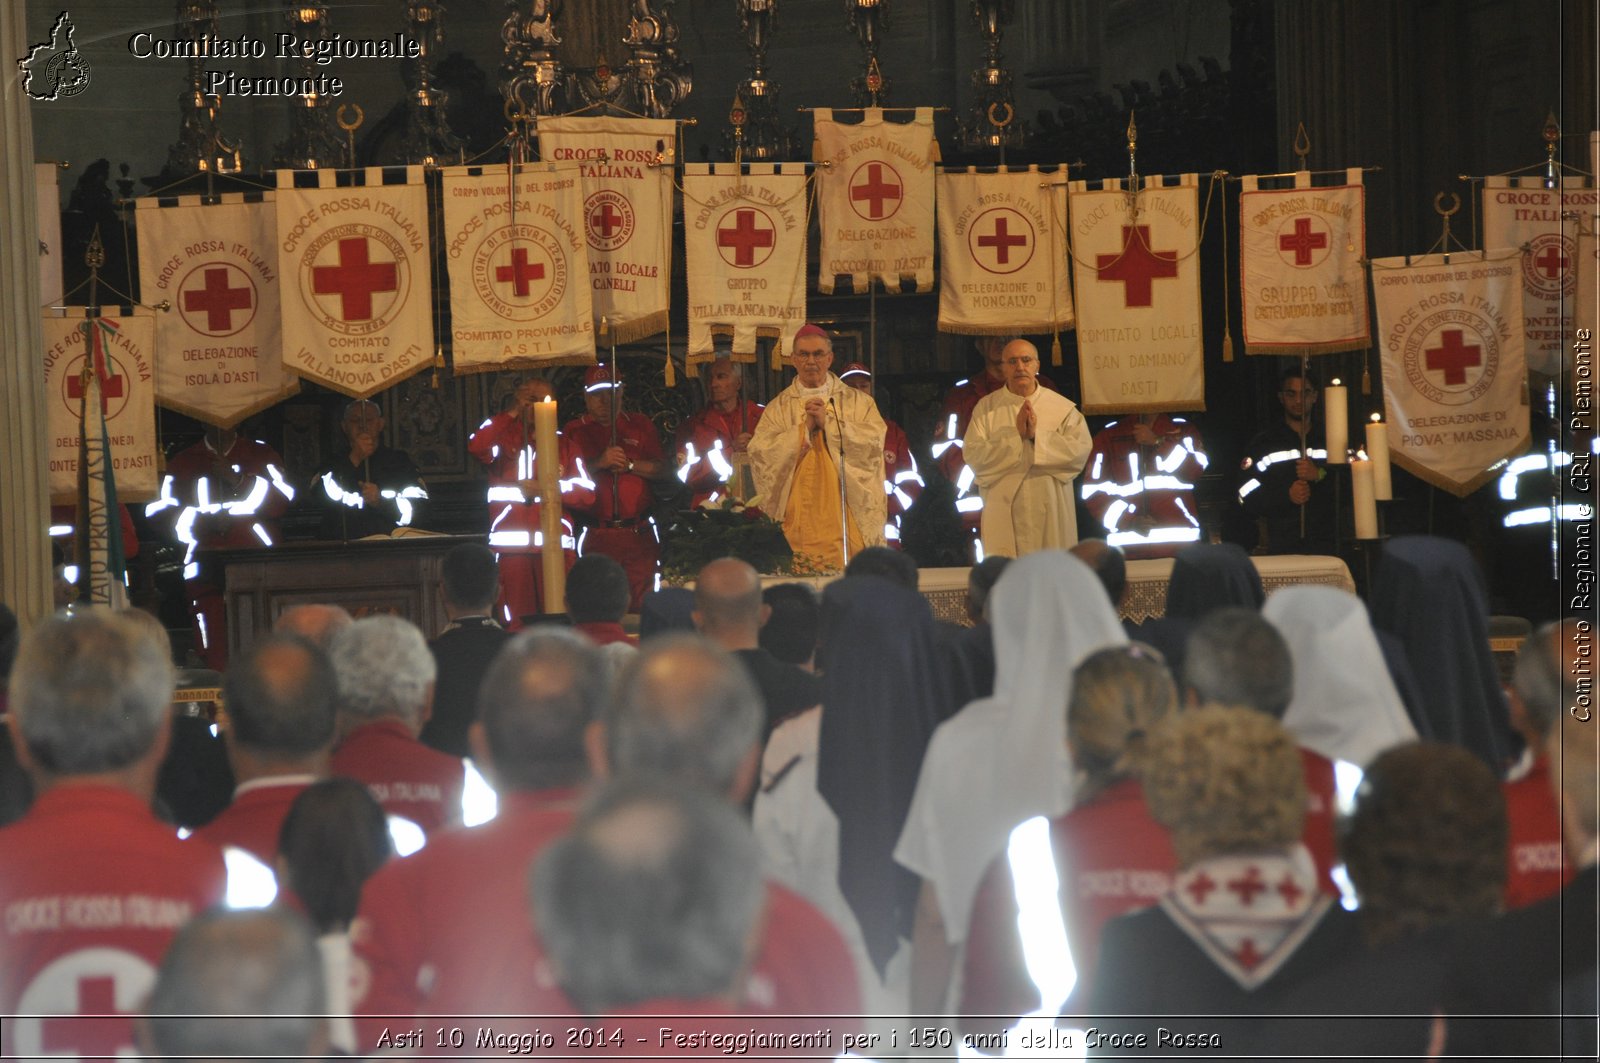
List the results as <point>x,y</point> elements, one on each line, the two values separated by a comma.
<point>1025,445</point>
<point>795,457</point>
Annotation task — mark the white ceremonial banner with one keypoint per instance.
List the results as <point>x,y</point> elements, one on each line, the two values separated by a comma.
<point>744,239</point>
<point>1002,253</point>
<point>219,350</point>
<point>47,193</point>
<point>625,165</point>
<point>1301,287</point>
<point>519,274</point>
<point>1586,298</point>
<point>875,199</point>
<point>1137,280</point>
<point>1521,212</point>
<point>127,395</point>
<point>1454,376</point>
<point>357,294</point>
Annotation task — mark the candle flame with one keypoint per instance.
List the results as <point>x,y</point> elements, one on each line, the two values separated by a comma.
<point>549,398</point>
<point>1336,382</point>
<point>1377,418</point>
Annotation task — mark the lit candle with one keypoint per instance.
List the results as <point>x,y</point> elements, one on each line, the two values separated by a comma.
<point>1366,508</point>
<point>1378,451</point>
<point>552,560</point>
<point>1336,427</point>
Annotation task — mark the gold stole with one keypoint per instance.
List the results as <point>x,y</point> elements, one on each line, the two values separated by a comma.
<point>811,523</point>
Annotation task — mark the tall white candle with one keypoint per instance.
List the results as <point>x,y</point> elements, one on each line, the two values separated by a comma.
<point>1336,425</point>
<point>553,562</point>
<point>1378,451</point>
<point>1366,509</point>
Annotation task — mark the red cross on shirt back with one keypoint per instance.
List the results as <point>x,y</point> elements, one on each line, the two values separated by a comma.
<point>97,1038</point>
<point>1137,266</point>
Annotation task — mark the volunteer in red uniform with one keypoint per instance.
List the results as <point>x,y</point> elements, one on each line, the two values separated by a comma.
<point>1140,484</point>
<point>709,441</point>
<point>956,414</point>
<point>505,443</point>
<point>225,492</point>
<point>93,885</point>
<point>385,679</point>
<point>621,525</point>
<point>1108,854</point>
<point>281,712</point>
<point>458,908</point>
<point>902,482</point>
<point>1538,868</point>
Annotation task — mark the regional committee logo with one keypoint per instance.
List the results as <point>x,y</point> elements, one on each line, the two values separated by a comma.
<point>520,272</point>
<point>1451,357</point>
<point>354,278</point>
<point>54,69</point>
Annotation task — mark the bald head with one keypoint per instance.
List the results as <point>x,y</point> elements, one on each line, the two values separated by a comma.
<point>1019,360</point>
<point>319,623</point>
<point>687,711</point>
<point>281,700</point>
<point>727,604</point>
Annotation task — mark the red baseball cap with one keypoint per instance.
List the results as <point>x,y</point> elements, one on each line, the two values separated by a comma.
<point>598,378</point>
<point>853,368</point>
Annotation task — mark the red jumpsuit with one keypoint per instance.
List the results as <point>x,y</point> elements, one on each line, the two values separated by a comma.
<point>228,501</point>
<point>902,481</point>
<point>624,531</point>
<point>1144,496</point>
<point>94,887</point>
<point>502,443</point>
<point>711,430</point>
<point>1537,865</point>
<point>405,777</point>
<point>948,437</point>
<point>254,819</point>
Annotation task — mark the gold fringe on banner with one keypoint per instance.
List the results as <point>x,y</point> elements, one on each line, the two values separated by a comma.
<point>1144,407</point>
<point>1338,347</point>
<point>534,364</point>
<point>639,328</point>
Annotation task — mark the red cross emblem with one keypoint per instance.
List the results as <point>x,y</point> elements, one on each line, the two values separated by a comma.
<point>606,220</point>
<point>355,279</point>
<point>878,186</point>
<point>1290,891</point>
<point>1001,240</point>
<point>1303,241</point>
<point>751,231</point>
<point>1137,266</point>
<point>1454,357</point>
<point>1552,262</point>
<point>1200,887</point>
<point>217,300</point>
<point>1247,955</point>
<point>520,272</point>
<point>1248,886</point>
<point>85,1037</point>
<point>112,384</point>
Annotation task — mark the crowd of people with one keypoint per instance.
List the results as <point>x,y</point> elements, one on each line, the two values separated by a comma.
<point>779,823</point>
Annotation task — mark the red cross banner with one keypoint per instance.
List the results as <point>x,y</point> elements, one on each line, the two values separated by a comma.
<point>1521,212</point>
<point>745,243</point>
<point>357,292</point>
<point>219,349</point>
<point>48,208</point>
<point>1301,285</point>
<point>1454,375</point>
<point>519,271</point>
<point>125,367</point>
<point>1002,253</point>
<point>625,170</point>
<point>875,199</point>
<point>1136,271</point>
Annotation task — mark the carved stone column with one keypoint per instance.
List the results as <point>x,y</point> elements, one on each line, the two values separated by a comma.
<point>24,494</point>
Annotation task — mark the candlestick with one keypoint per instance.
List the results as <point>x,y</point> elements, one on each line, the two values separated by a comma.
<point>552,559</point>
<point>1336,426</point>
<point>1366,508</point>
<point>1378,451</point>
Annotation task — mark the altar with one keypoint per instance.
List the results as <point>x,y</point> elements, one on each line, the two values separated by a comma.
<point>398,576</point>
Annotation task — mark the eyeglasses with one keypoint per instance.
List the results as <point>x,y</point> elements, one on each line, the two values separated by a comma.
<point>807,356</point>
